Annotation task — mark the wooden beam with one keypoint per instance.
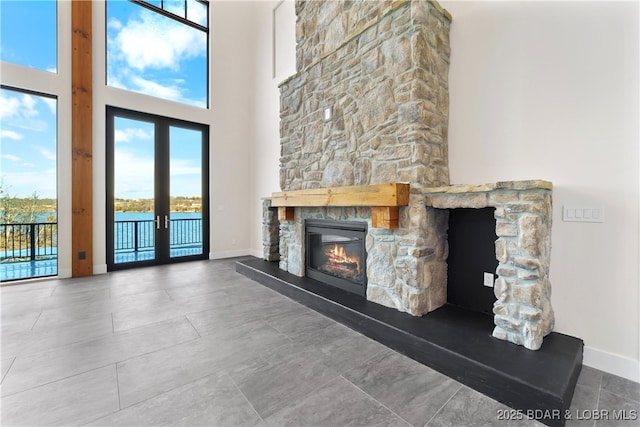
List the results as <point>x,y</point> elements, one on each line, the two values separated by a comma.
<point>81,140</point>
<point>384,217</point>
<point>286,214</point>
<point>393,194</point>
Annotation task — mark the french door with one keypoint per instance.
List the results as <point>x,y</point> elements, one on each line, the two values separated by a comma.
<point>157,190</point>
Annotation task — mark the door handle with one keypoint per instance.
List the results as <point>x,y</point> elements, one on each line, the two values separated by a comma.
<point>166,221</point>
<point>157,221</point>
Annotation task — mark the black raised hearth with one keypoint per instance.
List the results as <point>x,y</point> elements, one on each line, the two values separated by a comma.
<point>336,255</point>
<point>454,341</point>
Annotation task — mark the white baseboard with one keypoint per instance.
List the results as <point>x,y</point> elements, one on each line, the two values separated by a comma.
<point>256,253</point>
<point>64,273</point>
<point>229,254</point>
<point>100,269</point>
<point>612,363</point>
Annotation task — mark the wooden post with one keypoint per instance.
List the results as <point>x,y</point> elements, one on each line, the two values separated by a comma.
<point>286,213</point>
<point>384,217</point>
<point>81,139</point>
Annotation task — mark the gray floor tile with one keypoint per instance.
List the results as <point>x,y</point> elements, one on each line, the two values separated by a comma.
<point>62,315</point>
<point>233,314</point>
<point>5,365</point>
<point>211,401</point>
<point>71,401</point>
<point>272,385</point>
<point>619,411</point>
<point>301,321</point>
<point>8,288</point>
<point>585,400</point>
<point>73,299</point>
<point>11,323</point>
<point>322,408</point>
<point>408,388</point>
<point>468,408</point>
<point>45,337</point>
<point>590,377</point>
<point>155,373</point>
<point>350,350</point>
<point>197,290</point>
<point>621,386</point>
<point>23,303</point>
<point>40,368</point>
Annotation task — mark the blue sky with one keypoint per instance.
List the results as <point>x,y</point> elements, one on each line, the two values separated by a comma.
<point>146,53</point>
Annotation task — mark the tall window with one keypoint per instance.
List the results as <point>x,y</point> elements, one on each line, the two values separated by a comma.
<point>159,48</point>
<point>28,139</point>
<point>28,196</point>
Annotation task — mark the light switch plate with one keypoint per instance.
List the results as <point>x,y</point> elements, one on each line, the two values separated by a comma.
<point>582,214</point>
<point>327,114</point>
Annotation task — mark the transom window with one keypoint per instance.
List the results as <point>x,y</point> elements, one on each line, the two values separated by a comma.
<point>28,34</point>
<point>159,48</point>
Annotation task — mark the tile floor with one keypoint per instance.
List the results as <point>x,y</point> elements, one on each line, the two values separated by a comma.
<point>197,344</point>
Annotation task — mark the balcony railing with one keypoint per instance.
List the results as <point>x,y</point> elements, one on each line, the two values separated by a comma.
<point>28,241</point>
<point>37,241</point>
<point>134,236</point>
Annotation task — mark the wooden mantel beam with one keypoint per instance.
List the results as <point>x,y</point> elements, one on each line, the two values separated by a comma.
<point>392,194</point>
<point>384,199</point>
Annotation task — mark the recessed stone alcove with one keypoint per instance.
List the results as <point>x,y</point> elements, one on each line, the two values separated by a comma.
<point>369,105</point>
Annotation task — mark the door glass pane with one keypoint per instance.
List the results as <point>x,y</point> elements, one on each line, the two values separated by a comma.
<point>28,191</point>
<point>185,171</point>
<point>134,189</point>
<point>28,33</point>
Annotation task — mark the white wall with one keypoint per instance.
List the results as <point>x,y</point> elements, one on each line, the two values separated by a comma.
<point>234,100</point>
<point>267,143</point>
<point>549,90</point>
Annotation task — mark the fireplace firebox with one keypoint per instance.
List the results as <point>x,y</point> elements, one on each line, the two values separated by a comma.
<point>336,254</point>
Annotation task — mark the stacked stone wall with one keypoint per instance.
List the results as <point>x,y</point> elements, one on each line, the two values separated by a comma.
<point>270,231</point>
<point>382,70</point>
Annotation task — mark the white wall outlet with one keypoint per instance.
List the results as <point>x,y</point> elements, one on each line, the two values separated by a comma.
<point>488,280</point>
<point>582,214</point>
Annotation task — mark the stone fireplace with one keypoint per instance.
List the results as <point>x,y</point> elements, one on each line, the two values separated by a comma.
<point>369,106</point>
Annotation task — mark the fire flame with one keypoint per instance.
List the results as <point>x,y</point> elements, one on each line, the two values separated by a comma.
<point>339,256</point>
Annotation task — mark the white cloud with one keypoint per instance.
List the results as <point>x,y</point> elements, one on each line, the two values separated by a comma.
<point>9,134</point>
<point>29,165</point>
<point>29,106</point>
<point>114,24</point>
<point>184,167</point>
<point>148,87</point>
<point>23,184</point>
<point>21,110</point>
<point>133,175</point>
<point>51,103</point>
<point>126,135</point>
<point>11,157</point>
<point>9,106</point>
<point>47,154</point>
<point>152,41</point>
